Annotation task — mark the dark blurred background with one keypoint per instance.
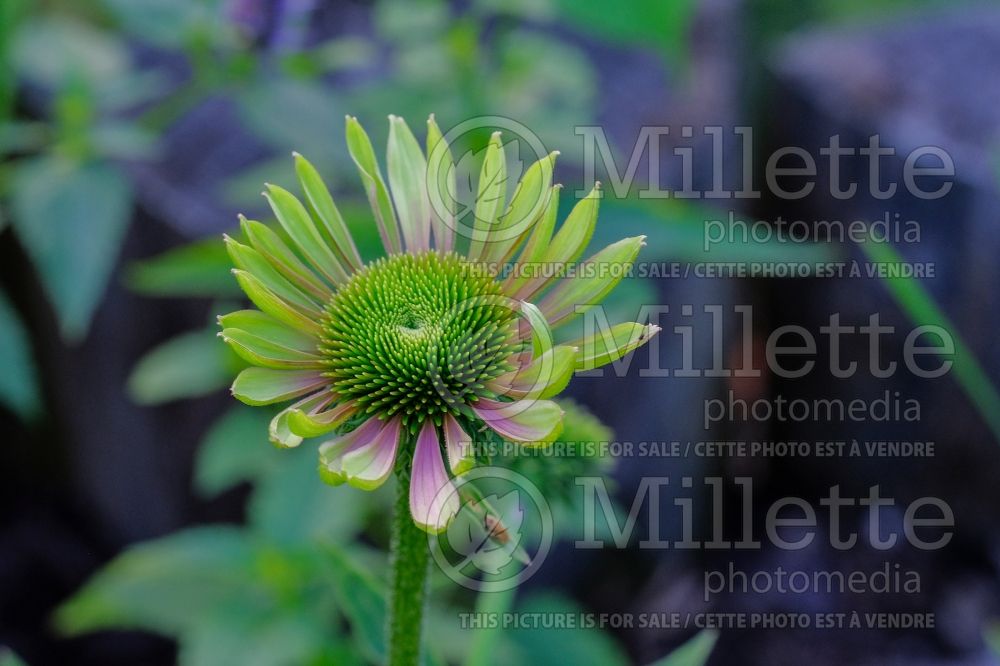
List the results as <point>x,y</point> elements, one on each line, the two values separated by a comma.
<point>133,132</point>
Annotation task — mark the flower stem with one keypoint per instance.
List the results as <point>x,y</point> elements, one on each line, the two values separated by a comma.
<point>408,584</point>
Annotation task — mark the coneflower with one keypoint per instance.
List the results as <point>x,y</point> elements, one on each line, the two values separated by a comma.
<point>404,360</point>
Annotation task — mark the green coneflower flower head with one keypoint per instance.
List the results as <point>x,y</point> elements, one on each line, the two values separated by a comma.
<point>397,361</point>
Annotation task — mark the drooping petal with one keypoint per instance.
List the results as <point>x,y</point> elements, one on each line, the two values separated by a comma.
<point>300,227</point>
<point>544,377</point>
<point>280,431</point>
<point>527,205</point>
<point>272,304</point>
<point>264,352</point>
<point>331,454</point>
<point>368,466</point>
<point>264,386</point>
<point>433,497</point>
<point>535,326</point>
<point>266,326</point>
<point>360,148</point>
<point>326,210</point>
<point>530,421</point>
<point>253,262</point>
<point>407,170</point>
<point>459,446</point>
<point>569,242</point>
<point>490,197</point>
<point>279,255</point>
<point>441,187</point>
<point>577,295</point>
<point>317,423</point>
<point>610,344</point>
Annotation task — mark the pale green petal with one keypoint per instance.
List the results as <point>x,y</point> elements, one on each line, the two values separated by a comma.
<point>286,262</point>
<point>326,210</point>
<point>264,352</point>
<point>490,197</point>
<point>608,345</point>
<point>537,326</point>
<point>407,170</point>
<point>264,386</point>
<point>527,205</point>
<point>441,187</point>
<point>360,148</point>
<point>570,241</point>
<point>250,260</point>
<point>266,326</point>
<point>537,245</point>
<point>545,377</point>
<point>300,227</point>
<point>280,430</point>
<point>270,303</point>
<point>306,424</point>
<point>600,274</point>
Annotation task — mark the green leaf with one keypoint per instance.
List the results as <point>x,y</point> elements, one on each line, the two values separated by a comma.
<point>71,219</point>
<point>234,450</point>
<point>187,366</point>
<point>695,652</point>
<point>51,50</point>
<point>8,658</point>
<point>170,23</point>
<point>201,268</point>
<point>663,25</point>
<point>291,505</point>
<point>362,598</point>
<point>18,381</point>
<point>167,585</point>
<point>261,637</point>
<point>921,309</point>
<point>581,647</point>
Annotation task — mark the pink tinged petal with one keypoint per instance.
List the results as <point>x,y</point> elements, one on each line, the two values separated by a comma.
<point>280,431</point>
<point>577,295</point>
<point>433,497</point>
<point>360,148</point>
<point>264,386</point>
<point>461,454</point>
<point>407,170</point>
<point>544,377</point>
<point>331,454</point>
<point>441,187</point>
<point>530,421</point>
<point>368,466</point>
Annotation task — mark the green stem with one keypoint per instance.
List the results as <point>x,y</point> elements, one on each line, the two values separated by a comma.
<point>408,584</point>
